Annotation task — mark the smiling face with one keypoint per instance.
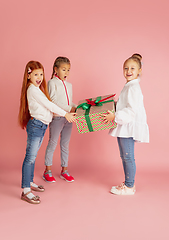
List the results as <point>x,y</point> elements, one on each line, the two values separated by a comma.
<point>36,77</point>
<point>63,71</point>
<point>131,70</point>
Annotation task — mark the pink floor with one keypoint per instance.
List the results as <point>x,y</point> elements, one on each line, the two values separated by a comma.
<point>85,210</point>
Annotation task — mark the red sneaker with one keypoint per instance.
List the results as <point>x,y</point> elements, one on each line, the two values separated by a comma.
<point>66,176</point>
<point>48,177</point>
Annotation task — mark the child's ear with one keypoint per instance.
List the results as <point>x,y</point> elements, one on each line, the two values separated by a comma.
<point>55,69</point>
<point>140,70</point>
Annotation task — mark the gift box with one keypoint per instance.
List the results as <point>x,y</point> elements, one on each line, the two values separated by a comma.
<point>89,111</point>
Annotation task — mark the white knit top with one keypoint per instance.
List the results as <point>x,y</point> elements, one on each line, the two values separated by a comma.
<point>61,93</point>
<point>40,107</point>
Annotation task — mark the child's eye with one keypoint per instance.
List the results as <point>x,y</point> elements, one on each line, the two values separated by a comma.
<point>132,68</point>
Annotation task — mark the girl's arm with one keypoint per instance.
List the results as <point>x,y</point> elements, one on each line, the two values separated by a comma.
<point>40,97</point>
<point>127,114</point>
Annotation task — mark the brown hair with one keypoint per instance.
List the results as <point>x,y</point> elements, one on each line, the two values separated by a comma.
<point>57,63</point>
<point>135,57</point>
<point>24,114</point>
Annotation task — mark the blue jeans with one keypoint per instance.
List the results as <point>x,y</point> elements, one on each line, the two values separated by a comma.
<point>126,147</point>
<point>35,133</point>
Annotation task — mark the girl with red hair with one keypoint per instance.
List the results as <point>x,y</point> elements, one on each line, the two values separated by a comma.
<point>35,114</point>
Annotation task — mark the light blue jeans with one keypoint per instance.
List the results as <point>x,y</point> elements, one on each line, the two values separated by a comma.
<point>126,147</point>
<point>35,133</point>
<point>58,127</point>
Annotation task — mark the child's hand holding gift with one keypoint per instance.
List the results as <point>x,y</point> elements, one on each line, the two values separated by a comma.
<point>110,116</point>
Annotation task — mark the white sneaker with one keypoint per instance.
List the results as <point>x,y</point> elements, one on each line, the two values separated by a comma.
<point>122,189</point>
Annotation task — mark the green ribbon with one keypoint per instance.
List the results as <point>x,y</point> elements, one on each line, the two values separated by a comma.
<point>87,105</point>
<point>89,124</point>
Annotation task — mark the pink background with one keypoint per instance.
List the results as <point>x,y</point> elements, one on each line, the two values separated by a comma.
<point>97,36</point>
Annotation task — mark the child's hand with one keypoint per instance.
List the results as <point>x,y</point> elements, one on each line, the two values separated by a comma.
<point>73,110</point>
<point>70,117</point>
<point>110,116</point>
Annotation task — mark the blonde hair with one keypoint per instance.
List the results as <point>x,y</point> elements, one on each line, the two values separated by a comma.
<point>24,114</point>
<point>135,57</point>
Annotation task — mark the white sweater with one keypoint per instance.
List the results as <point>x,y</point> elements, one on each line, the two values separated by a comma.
<point>40,107</point>
<point>130,114</point>
<point>59,95</point>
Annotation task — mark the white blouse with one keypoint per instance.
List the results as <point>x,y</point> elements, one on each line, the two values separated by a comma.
<point>61,93</point>
<point>40,107</point>
<point>130,114</point>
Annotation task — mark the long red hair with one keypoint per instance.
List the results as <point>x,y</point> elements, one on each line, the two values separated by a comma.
<point>24,114</point>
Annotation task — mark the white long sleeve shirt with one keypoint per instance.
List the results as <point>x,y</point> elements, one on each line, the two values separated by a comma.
<point>61,93</point>
<point>40,107</point>
<point>130,114</point>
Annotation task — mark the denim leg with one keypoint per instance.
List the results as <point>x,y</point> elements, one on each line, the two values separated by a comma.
<point>64,143</point>
<point>35,133</point>
<point>33,165</point>
<point>121,153</point>
<point>126,147</point>
<point>55,128</point>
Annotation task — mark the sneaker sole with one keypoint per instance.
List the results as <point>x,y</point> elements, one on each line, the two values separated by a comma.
<point>124,194</point>
<point>66,179</point>
<point>47,180</point>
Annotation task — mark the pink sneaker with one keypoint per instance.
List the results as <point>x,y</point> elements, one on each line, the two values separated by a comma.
<point>48,177</point>
<point>66,176</point>
<point>122,189</point>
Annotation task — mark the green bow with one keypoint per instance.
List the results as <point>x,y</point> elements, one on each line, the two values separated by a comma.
<point>87,105</point>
